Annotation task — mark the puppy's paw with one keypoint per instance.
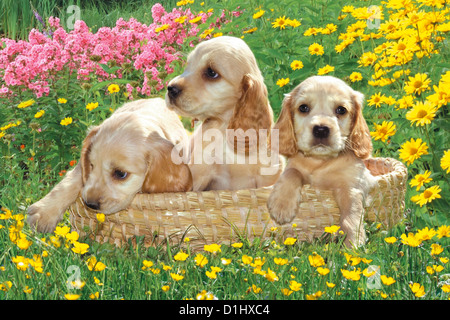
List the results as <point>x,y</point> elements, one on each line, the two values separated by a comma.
<point>44,218</point>
<point>283,207</point>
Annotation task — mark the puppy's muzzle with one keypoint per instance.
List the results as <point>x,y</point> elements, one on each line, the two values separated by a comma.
<point>92,204</point>
<point>174,92</point>
<point>321,132</point>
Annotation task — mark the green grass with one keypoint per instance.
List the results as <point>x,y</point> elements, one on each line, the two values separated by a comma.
<point>29,172</point>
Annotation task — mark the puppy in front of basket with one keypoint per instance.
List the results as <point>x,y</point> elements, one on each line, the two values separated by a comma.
<point>129,152</point>
<point>325,138</point>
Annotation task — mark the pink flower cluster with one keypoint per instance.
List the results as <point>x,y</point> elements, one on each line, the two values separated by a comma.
<point>36,64</point>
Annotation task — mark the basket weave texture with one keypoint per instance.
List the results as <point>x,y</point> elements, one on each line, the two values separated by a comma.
<point>222,216</point>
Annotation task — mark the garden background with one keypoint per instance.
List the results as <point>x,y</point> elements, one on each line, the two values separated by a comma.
<point>66,65</point>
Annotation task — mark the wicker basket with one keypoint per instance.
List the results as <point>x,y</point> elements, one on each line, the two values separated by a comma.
<point>224,216</point>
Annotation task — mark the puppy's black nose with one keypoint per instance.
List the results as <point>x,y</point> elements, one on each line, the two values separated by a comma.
<point>93,205</point>
<point>174,91</point>
<point>321,132</point>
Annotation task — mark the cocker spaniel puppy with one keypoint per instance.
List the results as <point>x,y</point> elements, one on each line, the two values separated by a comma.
<point>325,137</point>
<point>223,88</point>
<point>129,152</point>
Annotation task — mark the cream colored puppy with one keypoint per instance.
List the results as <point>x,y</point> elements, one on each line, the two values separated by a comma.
<point>325,137</point>
<point>129,152</point>
<point>223,88</point>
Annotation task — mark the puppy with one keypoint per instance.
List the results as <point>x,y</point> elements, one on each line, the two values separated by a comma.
<point>223,88</point>
<point>325,137</point>
<point>129,152</point>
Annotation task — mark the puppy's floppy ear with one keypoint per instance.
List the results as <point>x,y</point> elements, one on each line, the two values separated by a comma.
<point>85,151</point>
<point>252,110</point>
<point>285,126</point>
<point>163,174</point>
<point>360,140</point>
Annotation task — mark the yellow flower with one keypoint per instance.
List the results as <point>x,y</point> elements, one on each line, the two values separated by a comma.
<point>376,100</point>
<point>25,104</point>
<point>443,231</point>
<point>91,106</point>
<point>353,275</point>
<point>387,280</point>
<point>62,100</point>
<point>294,23</point>
<point>161,28</point>
<point>280,22</point>
<point>325,70</point>
<point>323,271</point>
<point>296,65</point>
<point>246,259</point>
<point>427,196</point>
<point>417,84</point>
<point>100,217</point>
<point>271,275</point>
<point>72,296</point>
<point>165,288</point>
<point>315,260</point>
<point>383,131</point>
<point>417,289</point>
<point>413,150</point>
<point>80,248</point>
<point>21,262</point>
<point>446,288</point>
<point>367,59</point>
<point>147,264</point>
<point>290,241</point>
<point>422,113</point>
<point>66,121</point>
<point>434,269</point>
<point>200,260</point>
<point>283,82</point>
<point>176,276</point>
<point>316,49</point>
<point>390,240</point>
<point>62,231</point>
<point>445,161</point>
<point>332,229</point>
<point>330,284</point>
<point>39,114</point>
<point>112,88</point>
<point>94,265</point>
<point>280,261</point>
<point>420,179</point>
<point>314,296</point>
<point>258,14</point>
<point>356,76</point>
<point>95,295</point>
<point>211,274</point>
<point>294,285</point>
<point>181,256</point>
<point>213,248</point>
<point>410,240</point>
<point>225,261</point>
<point>195,20</point>
<point>237,245</point>
<point>255,289</point>
<point>286,291</point>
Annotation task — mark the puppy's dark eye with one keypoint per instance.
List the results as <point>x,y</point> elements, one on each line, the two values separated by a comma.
<point>303,108</point>
<point>341,110</point>
<point>211,74</point>
<point>120,175</point>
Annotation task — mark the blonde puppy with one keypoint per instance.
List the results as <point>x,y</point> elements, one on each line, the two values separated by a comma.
<point>223,88</point>
<point>325,137</point>
<point>129,152</point>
